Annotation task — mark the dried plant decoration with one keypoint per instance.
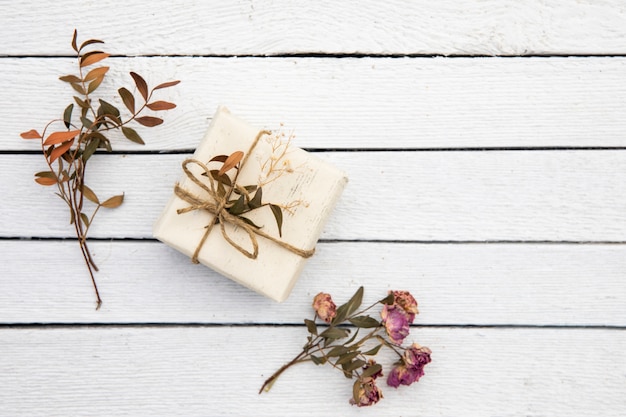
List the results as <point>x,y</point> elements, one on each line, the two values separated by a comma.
<point>67,150</point>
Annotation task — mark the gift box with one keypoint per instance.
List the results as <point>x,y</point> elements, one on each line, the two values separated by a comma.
<point>250,205</point>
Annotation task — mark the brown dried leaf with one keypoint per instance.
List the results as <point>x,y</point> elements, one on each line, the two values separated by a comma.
<point>114,201</point>
<point>60,150</point>
<point>45,181</point>
<point>167,84</point>
<point>90,195</point>
<point>161,105</point>
<point>90,42</point>
<point>128,99</point>
<point>95,73</point>
<point>74,40</point>
<point>60,137</point>
<point>90,59</point>
<point>95,84</point>
<point>231,162</point>
<point>31,134</point>
<point>79,88</point>
<point>70,79</point>
<point>149,121</point>
<point>141,84</point>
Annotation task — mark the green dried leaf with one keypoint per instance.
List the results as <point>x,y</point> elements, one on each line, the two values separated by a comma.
<point>311,327</point>
<point>388,299</point>
<point>250,222</point>
<point>373,351</point>
<point>346,357</point>
<point>87,124</point>
<point>90,195</point>
<point>67,115</point>
<point>317,360</point>
<point>128,99</point>
<point>132,135</point>
<point>90,149</point>
<point>239,207</point>
<point>372,370</point>
<point>107,108</point>
<point>248,188</point>
<point>278,215</point>
<point>365,322</point>
<point>334,333</point>
<point>337,351</point>
<point>256,200</point>
<point>354,365</point>
<point>345,310</point>
<point>223,179</point>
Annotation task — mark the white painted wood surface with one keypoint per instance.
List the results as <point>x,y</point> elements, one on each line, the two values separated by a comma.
<point>490,187</point>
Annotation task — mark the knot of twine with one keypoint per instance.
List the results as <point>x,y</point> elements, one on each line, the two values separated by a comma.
<point>216,205</point>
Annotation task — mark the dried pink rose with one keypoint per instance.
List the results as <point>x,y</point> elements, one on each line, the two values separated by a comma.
<point>366,393</point>
<point>406,301</point>
<point>324,307</point>
<point>411,367</point>
<point>396,322</point>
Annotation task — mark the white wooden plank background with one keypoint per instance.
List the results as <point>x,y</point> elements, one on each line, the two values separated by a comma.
<point>488,183</point>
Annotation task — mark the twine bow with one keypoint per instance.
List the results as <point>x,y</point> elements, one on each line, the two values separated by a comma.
<point>216,205</point>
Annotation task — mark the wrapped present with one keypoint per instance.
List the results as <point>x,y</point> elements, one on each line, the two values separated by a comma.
<point>250,205</point>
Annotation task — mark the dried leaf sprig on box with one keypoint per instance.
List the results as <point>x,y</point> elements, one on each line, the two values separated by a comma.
<point>354,356</point>
<point>69,142</point>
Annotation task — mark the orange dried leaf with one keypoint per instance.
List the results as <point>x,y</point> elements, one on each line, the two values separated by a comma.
<point>45,181</point>
<point>60,137</point>
<point>31,134</point>
<point>231,162</point>
<point>93,58</point>
<point>74,47</point>
<point>167,84</point>
<point>161,105</point>
<point>95,73</point>
<point>149,121</point>
<point>60,150</point>
<point>141,84</point>
<point>90,42</point>
<point>114,201</point>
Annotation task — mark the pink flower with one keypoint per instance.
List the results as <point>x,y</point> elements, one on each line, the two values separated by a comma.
<point>405,301</point>
<point>324,307</point>
<point>396,322</point>
<point>411,367</point>
<point>366,393</point>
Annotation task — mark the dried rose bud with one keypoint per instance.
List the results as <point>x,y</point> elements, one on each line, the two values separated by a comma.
<point>324,307</point>
<point>396,322</point>
<point>406,301</point>
<point>411,367</point>
<point>366,393</point>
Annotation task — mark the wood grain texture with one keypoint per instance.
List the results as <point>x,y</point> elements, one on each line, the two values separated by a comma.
<point>350,103</point>
<point>218,371</point>
<point>147,282</point>
<point>264,27</point>
<point>417,196</point>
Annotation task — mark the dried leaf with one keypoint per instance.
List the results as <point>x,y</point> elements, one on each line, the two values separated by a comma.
<point>92,58</point>
<point>107,108</point>
<point>149,121</point>
<point>250,222</point>
<point>161,105</point>
<point>354,365</point>
<point>256,200</point>
<point>167,84</point>
<point>90,195</point>
<point>239,207</point>
<point>87,124</point>
<point>347,357</point>
<point>334,333</point>
<point>231,161</point>
<point>79,88</point>
<point>128,99</point>
<point>222,179</point>
<point>141,84</point>
<point>337,351</point>
<point>317,360</point>
<point>132,135</point>
<point>74,40</point>
<point>67,115</point>
<point>365,322</point>
<point>90,149</point>
<point>278,215</point>
<point>71,79</point>
<point>345,310</point>
<point>31,134</point>
<point>95,84</point>
<point>60,137</point>
<point>89,42</point>
<point>95,73</point>
<point>311,327</point>
<point>46,174</point>
<point>84,219</point>
<point>114,201</point>
<point>60,150</point>
<point>45,181</point>
<point>219,158</point>
<point>373,351</point>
